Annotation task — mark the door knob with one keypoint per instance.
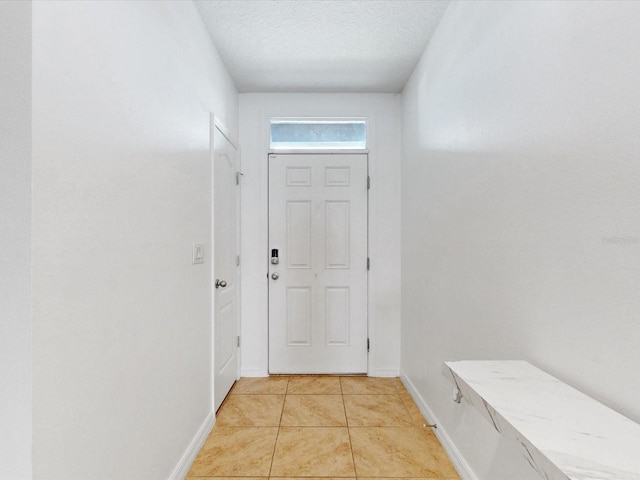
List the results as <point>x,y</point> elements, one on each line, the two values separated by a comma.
<point>221,283</point>
<point>275,275</point>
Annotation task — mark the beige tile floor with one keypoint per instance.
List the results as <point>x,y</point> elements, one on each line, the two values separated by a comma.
<point>321,426</point>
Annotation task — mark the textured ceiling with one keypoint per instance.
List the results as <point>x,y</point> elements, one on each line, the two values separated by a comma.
<point>321,45</point>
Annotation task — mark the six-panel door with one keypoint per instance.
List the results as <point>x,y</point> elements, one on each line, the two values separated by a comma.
<point>318,298</point>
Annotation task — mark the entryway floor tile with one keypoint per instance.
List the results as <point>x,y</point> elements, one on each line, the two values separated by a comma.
<point>310,427</point>
<point>250,410</point>
<point>442,463</point>
<point>313,451</point>
<point>314,411</point>
<point>392,452</point>
<point>376,411</point>
<point>260,386</point>
<point>226,478</point>
<point>367,386</point>
<point>417,419</point>
<point>314,385</point>
<point>236,452</point>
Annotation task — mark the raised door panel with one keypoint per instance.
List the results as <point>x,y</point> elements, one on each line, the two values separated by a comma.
<point>299,316</point>
<point>337,315</point>
<point>337,234</point>
<point>298,224</point>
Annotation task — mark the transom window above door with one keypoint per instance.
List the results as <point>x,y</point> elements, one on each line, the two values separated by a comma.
<point>317,134</point>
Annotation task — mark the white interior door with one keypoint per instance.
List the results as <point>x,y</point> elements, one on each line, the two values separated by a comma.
<point>318,288</point>
<point>225,269</point>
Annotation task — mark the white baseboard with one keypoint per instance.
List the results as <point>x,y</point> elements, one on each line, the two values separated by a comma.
<point>181,470</point>
<point>458,461</point>
<point>253,372</point>
<point>387,372</point>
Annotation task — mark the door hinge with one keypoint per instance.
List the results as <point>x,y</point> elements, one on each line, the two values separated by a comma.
<point>368,182</point>
<point>238,341</point>
<point>368,345</point>
<point>368,263</point>
<point>238,175</point>
<point>237,260</point>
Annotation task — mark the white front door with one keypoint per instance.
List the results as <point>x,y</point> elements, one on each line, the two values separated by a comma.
<point>318,287</point>
<point>225,270</point>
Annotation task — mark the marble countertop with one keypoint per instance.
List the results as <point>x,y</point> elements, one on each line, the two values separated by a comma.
<point>563,433</point>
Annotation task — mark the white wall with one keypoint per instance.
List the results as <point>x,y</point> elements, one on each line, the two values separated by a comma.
<point>384,115</point>
<point>521,206</point>
<point>121,189</point>
<point>15,240</point>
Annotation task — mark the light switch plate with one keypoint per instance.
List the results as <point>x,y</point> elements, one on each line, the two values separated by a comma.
<point>198,253</point>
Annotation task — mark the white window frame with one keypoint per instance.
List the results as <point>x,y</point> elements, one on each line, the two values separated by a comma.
<point>320,120</point>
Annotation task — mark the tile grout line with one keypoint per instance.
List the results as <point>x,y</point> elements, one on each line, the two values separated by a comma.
<point>344,406</point>
<point>273,455</point>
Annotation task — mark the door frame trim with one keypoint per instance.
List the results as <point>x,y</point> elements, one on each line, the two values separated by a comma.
<point>216,123</point>
<point>370,344</point>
